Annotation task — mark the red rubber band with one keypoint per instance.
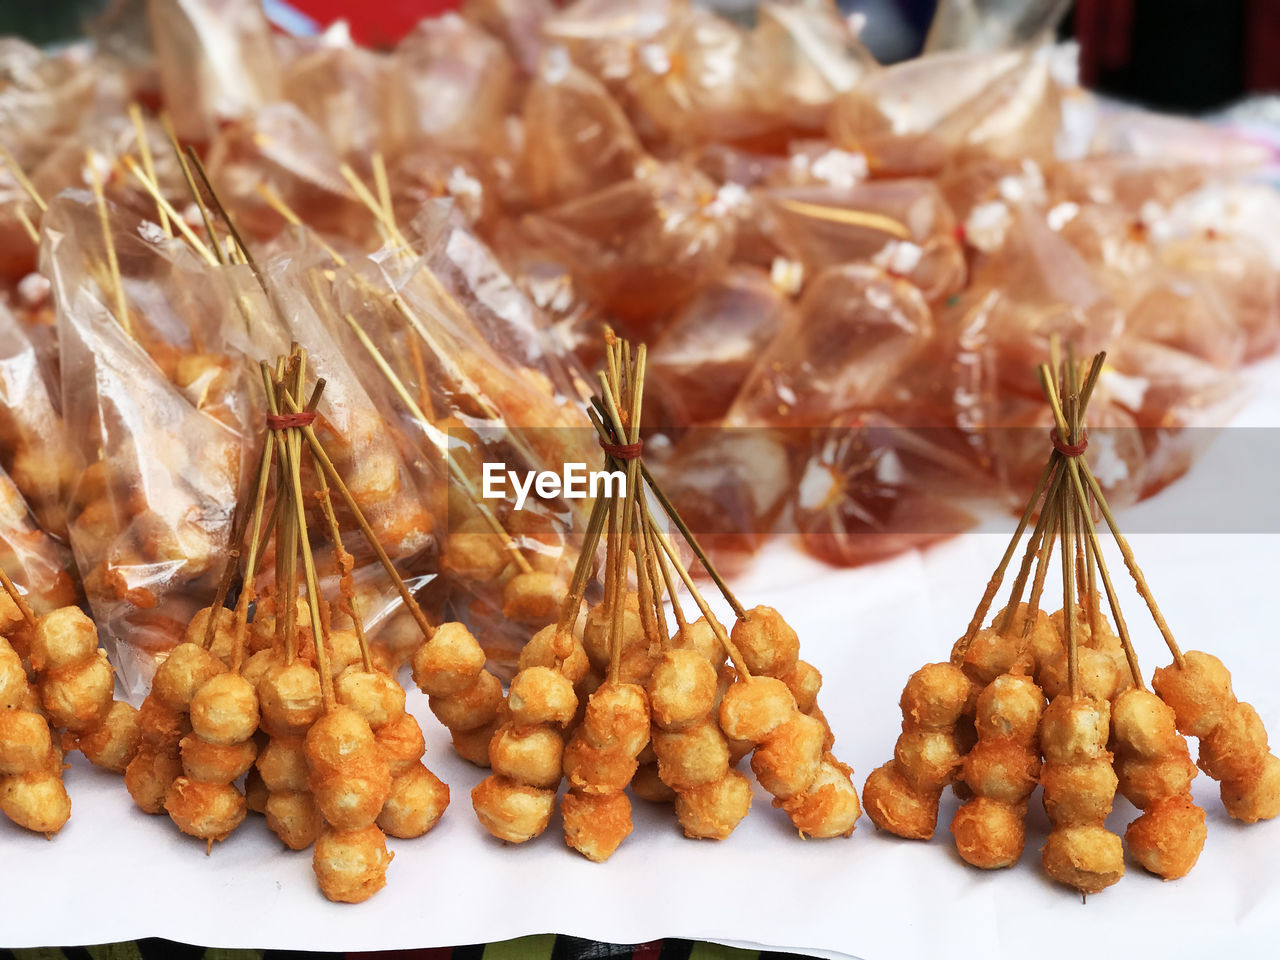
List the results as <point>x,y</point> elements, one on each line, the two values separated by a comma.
<point>1069,449</point>
<point>623,451</point>
<point>283,421</point>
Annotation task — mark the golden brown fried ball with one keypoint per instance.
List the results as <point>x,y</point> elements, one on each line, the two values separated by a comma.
<point>804,681</point>
<point>36,801</point>
<point>209,811</point>
<point>1144,781</point>
<point>829,807</point>
<point>990,834</point>
<point>636,666</point>
<point>1074,730</point>
<point>1100,675</point>
<point>115,741</point>
<point>450,663</point>
<point>534,597</point>
<point>701,635</point>
<point>788,760</point>
<point>1257,798</point>
<point>13,677</point>
<point>1042,640</point>
<point>927,759</point>
<point>351,866</point>
<point>294,817</point>
<point>225,709</point>
<point>474,552</point>
<point>1236,748</point>
<point>991,653</point>
<point>344,651</point>
<point>597,769</point>
<point>282,762</point>
<point>473,745</point>
<point>1144,724</point>
<point>541,695</point>
<point>617,717</point>
<point>1167,838</point>
<point>1002,770</point>
<point>713,810</point>
<point>769,647</point>
<point>257,666</point>
<point>1199,691</point>
<point>1089,858</point>
<point>25,742</point>
<point>216,762</point>
<point>682,688</point>
<point>935,696</point>
<point>532,755</point>
<point>336,739</point>
<point>540,651</point>
<point>648,785</point>
<point>401,744</point>
<point>894,805</point>
<point>752,709</point>
<point>599,625</point>
<point>693,756</point>
<point>1080,792</point>
<point>350,797</point>
<point>182,673</point>
<point>61,638</point>
<point>1009,706</point>
<point>78,697</point>
<point>222,645</point>
<point>376,696</point>
<point>415,804</point>
<point>596,824</point>
<point>161,726</point>
<point>256,793</point>
<point>472,708</point>
<point>289,699</point>
<point>150,774</point>
<point>514,812</point>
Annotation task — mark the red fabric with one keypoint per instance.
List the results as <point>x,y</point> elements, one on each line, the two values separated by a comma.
<point>378,24</point>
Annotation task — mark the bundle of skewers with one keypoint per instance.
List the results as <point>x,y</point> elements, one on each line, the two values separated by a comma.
<point>1059,701</point>
<point>610,696</point>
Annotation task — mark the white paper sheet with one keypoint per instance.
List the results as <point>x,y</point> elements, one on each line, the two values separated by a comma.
<point>117,874</point>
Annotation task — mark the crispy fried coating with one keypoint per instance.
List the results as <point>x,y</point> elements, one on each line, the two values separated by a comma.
<point>1002,769</point>
<point>928,759</point>
<point>1078,793</point>
<point>337,738</point>
<point>79,696</point>
<point>1142,782</point>
<point>282,762</point>
<point>540,651</point>
<point>471,709</point>
<point>894,805</point>
<point>1089,858</point>
<point>1074,730</point>
<point>112,744</point>
<point>36,801</point>
<point>450,663</point>
<point>1168,837</point>
<point>1101,675</point>
<point>1199,691</point>
<point>829,807</point>
<point>700,635</point>
<point>1237,748</point>
<point>215,762</point>
<point>351,796</point>
<point>1010,706</point>
<point>511,811</point>
<point>13,677</point>
<point>542,695</point>
<point>150,774</point>
<point>61,638</point>
<point>647,784</point>
<point>617,716</point>
<point>182,673</point>
<point>711,811</point>
<point>692,756</point>
<point>593,769</point>
<point>416,802</point>
<point>1257,798</point>
<point>935,696</point>
<point>1145,725</point>
<point>534,597</point>
<point>473,745</point>
<point>210,811</point>
<point>787,762</point>
<point>769,647</point>
<point>598,627</point>
<point>294,817</point>
<point>532,755</point>
<point>289,698</point>
<point>351,866</point>
<point>225,709</point>
<point>401,744</point>
<point>752,709</point>
<point>377,697</point>
<point>991,653</point>
<point>682,688</point>
<point>804,681</point>
<point>25,741</point>
<point>596,824</point>
<point>989,833</point>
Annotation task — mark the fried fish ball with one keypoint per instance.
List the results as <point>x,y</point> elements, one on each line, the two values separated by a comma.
<point>542,695</point>
<point>401,744</point>
<point>159,725</point>
<point>1002,769</point>
<point>449,663</point>
<point>597,769</point>
<point>804,681</point>
<point>1143,781</point>
<point>416,802</point>
<point>617,717</point>
<point>61,638</point>
<point>1100,676</point>
<point>187,668</point>
<point>336,739</point>
<point>13,677</point>
<point>596,824</point>
<point>682,688</point>
<point>474,552</point>
<point>711,811</point>
<point>928,759</point>
<point>752,709</point>
<point>215,762</point>
<point>210,811</point>
<point>829,807</point>
<point>294,817</point>
<point>532,755</point>
<point>282,762</point>
<point>992,653</point>
<point>1257,798</point>
<point>225,709</point>
<point>990,834</point>
<point>648,786</point>
<point>693,756</point>
<point>894,805</point>
<point>1009,706</point>
<point>769,647</point>
<point>788,759</point>
<point>1089,858</point>
<point>78,697</point>
<point>257,666</point>
<point>344,652</point>
<point>534,597</point>
<point>351,866</point>
<point>1075,729</point>
<point>1145,724</point>
<point>24,741</point>
<point>36,801</point>
<point>112,744</point>
<point>541,651</point>
<point>935,696</point>
<point>352,796</point>
<point>289,698</point>
<point>473,707</point>
<point>1199,692</point>
<point>376,696</point>
<point>703,636</point>
<point>473,745</point>
<point>599,627</point>
<point>222,645</point>
<point>1041,639</point>
<point>256,793</point>
<point>1078,793</point>
<point>514,812</point>
<point>1237,748</point>
<point>1168,837</point>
